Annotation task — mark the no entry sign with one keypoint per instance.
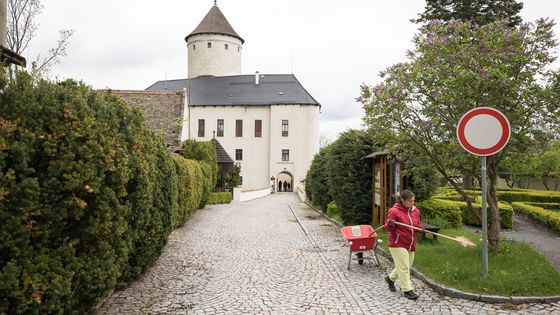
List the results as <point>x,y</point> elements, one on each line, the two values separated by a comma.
<point>483,131</point>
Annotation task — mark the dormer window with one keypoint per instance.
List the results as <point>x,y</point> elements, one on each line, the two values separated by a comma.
<point>209,45</point>
<point>226,46</point>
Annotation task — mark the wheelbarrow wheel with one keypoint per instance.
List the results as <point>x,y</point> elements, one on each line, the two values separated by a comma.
<point>360,258</point>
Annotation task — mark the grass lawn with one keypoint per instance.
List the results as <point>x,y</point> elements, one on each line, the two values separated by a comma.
<point>519,270</point>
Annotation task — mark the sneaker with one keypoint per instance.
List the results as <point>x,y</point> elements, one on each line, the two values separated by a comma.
<point>391,284</point>
<point>411,295</point>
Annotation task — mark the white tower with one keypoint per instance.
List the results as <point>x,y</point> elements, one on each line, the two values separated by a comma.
<point>214,48</point>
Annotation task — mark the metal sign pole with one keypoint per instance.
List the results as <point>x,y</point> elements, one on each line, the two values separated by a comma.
<point>484,220</point>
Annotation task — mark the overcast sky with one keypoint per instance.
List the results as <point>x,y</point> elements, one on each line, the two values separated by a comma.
<point>331,46</point>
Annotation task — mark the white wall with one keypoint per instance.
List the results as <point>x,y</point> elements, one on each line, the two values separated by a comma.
<point>216,61</point>
<point>262,157</point>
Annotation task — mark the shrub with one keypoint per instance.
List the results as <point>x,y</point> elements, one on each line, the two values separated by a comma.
<point>553,206</point>
<point>448,210</point>
<point>88,195</point>
<point>190,188</point>
<point>506,215</point>
<point>219,197</point>
<point>546,217</point>
<point>349,176</point>
<point>205,153</point>
<point>316,181</point>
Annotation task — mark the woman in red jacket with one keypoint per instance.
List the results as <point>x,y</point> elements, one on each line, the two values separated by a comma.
<point>402,241</point>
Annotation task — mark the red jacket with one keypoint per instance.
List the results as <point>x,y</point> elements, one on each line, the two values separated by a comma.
<point>402,236</point>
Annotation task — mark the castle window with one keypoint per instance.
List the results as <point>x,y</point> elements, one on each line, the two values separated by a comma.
<point>220,128</point>
<point>201,127</point>
<point>285,155</point>
<point>226,46</point>
<point>239,128</point>
<point>258,128</point>
<point>238,48</point>
<point>284,128</point>
<point>193,47</point>
<point>209,45</point>
<point>239,154</point>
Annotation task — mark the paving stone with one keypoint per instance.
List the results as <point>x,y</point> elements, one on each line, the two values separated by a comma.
<point>255,258</point>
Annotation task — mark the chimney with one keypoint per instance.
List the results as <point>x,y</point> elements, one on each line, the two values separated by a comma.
<point>256,78</point>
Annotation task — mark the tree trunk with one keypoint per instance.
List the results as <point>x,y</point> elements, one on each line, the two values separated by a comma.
<point>467,182</point>
<point>494,231</point>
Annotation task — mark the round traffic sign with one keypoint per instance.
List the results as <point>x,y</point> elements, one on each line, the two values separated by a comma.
<point>483,131</point>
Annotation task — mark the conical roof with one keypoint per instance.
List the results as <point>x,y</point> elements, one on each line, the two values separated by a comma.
<point>214,23</point>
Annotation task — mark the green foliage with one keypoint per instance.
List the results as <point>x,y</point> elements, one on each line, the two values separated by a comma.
<point>477,11</point>
<point>349,176</point>
<point>190,188</point>
<point>448,210</point>
<point>519,169</point>
<point>204,152</point>
<point>316,181</point>
<point>456,67</point>
<point>548,166</point>
<point>234,178</point>
<point>422,177</point>
<point>548,218</point>
<point>332,212</point>
<point>506,214</point>
<point>554,206</point>
<point>219,197</point>
<point>88,195</point>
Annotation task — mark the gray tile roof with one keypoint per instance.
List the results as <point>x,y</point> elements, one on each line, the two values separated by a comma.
<point>221,153</point>
<point>214,23</point>
<point>240,90</point>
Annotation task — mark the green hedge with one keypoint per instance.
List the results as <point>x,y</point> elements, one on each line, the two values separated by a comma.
<point>529,196</point>
<point>546,217</point>
<point>506,214</point>
<point>205,153</point>
<point>219,197</point>
<point>88,195</point>
<point>190,177</point>
<point>445,209</point>
<point>553,206</point>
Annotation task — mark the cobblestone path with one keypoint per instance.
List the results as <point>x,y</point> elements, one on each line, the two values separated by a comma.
<point>256,258</point>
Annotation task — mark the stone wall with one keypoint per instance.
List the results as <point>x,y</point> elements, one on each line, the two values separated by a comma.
<point>162,110</point>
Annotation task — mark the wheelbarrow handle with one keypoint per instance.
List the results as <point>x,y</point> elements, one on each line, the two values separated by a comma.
<point>379,228</point>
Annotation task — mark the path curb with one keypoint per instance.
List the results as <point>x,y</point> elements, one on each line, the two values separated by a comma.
<point>451,292</point>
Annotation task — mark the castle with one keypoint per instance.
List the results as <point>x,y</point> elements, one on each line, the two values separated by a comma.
<point>267,123</point>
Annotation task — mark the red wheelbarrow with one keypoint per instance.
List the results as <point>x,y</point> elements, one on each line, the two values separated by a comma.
<point>362,239</point>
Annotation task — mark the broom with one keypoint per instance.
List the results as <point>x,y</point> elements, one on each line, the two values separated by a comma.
<point>460,239</point>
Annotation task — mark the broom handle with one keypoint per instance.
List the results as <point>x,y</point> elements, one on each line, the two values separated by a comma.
<point>419,229</point>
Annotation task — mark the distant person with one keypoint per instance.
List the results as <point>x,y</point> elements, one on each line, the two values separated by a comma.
<point>402,241</point>
<point>285,185</point>
<point>289,187</point>
<point>279,186</point>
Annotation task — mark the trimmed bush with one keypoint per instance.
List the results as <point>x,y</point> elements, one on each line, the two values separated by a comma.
<point>506,214</point>
<point>546,217</point>
<point>219,197</point>
<point>205,153</point>
<point>190,188</point>
<point>445,209</point>
<point>529,196</point>
<point>316,181</point>
<point>349,176</point>
<point>88,195</point>
<point>553,206</point>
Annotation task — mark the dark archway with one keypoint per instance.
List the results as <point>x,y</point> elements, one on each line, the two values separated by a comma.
<point>284,182</point>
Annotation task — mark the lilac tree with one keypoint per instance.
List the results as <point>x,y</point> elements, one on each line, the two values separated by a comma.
<point>457,66</point>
